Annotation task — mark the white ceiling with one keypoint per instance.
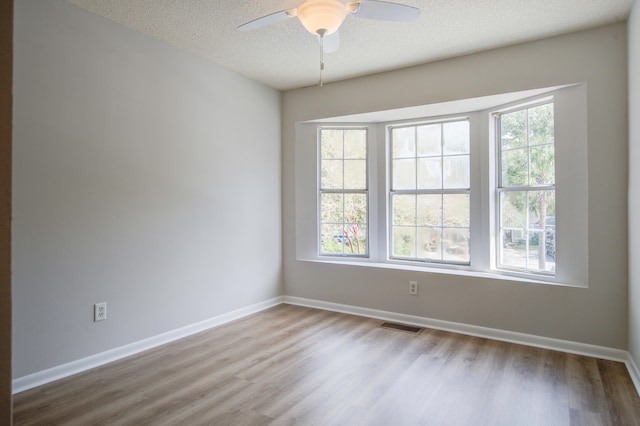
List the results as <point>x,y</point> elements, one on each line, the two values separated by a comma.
<point>285,56</point>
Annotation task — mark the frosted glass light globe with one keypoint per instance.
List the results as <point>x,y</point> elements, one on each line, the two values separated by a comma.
<point>321,17</point>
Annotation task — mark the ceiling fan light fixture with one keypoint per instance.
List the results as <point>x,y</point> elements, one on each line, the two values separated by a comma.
<point>321,17</point>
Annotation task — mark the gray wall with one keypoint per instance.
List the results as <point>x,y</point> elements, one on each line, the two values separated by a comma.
<point>634,183</point>
<point>6,67</point>
<point>595,315</point>
<point>143,176</point>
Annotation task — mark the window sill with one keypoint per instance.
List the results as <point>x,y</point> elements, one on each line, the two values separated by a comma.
<point>448,270</point>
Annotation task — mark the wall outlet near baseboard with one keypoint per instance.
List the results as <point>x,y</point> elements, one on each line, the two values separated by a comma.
<point>100,312</point>
<point>413,288</point>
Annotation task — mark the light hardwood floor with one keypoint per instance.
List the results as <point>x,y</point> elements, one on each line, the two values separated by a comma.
<point>295,365</point>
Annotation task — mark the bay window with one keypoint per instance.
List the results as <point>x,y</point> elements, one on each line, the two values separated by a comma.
<point>494,185</point>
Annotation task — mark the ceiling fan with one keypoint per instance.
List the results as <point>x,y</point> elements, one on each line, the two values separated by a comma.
<point>322,18</point>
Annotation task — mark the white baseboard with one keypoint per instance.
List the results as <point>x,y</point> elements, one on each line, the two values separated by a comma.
<point>41,377</point>
<point>471,330</point>
<point>634,371</point>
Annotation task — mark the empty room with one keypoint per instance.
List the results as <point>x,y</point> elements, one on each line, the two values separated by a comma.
<point>320,212</point>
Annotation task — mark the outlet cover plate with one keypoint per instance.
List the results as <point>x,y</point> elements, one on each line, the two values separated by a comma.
<point>100,312</point>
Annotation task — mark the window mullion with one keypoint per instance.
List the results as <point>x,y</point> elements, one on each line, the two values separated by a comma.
<point>430,191</point>
<point>527,188</point>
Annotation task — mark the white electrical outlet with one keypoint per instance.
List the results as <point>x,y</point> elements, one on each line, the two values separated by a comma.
<point>413,288</point>
<point>100,311</point>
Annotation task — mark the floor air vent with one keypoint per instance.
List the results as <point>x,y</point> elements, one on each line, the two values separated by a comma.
<point>401,327</point>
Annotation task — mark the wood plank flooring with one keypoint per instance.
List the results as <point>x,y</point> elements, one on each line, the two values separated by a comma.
<point>293,365</point>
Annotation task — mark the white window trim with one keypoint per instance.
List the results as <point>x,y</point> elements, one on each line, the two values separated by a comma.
<point>571,191</point>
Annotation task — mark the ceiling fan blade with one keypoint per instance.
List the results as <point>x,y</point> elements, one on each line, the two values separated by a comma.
<point>331,43</point>
<point>273,18</point>
<point>383,10</point>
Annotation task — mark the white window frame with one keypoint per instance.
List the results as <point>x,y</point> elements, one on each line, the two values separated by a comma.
<point>342,191</point>
<point>500,188</point>
<point>442,191</point>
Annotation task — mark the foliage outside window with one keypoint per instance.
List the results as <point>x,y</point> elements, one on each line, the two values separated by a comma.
<point>430,189</point>
<point>343,192</point>
<point>526,190</point>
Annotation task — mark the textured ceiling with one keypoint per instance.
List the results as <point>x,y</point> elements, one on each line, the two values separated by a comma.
<point>285,56</point>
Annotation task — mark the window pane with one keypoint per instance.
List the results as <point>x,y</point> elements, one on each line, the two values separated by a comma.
<point>541,209</point>
<point>542,217</point>
<point>355,208</point>
<point>355,174</point>
<point>332,239</point>
<point>429,210</point>
<point>404,142</point>
<point>331,143</point>
<point>343,224</point>
<point>354,238</point>
<point>404,209</point>
<point>513,130</point>
<point>430,140</point>
<point>514,167</point>
<point>331,174</point>
<point>533,259</point>
<point>404,174</point>
<point>549,226</point>
<point>528,230</point>
<point>404,243</point>
<point>455,244</point>
<point>429,173</point>
<point>456,210</point>
<point>361,239</point>
<point>513,210</point>
<point>331,208</point>
<point>541,125</point>
<point>429,243</point>
<point>542,166</point>
<point>513,220</point>
<point>456,137</point>
<point>514,248</point>
<point>355,144</point>
<point>456,171</point>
